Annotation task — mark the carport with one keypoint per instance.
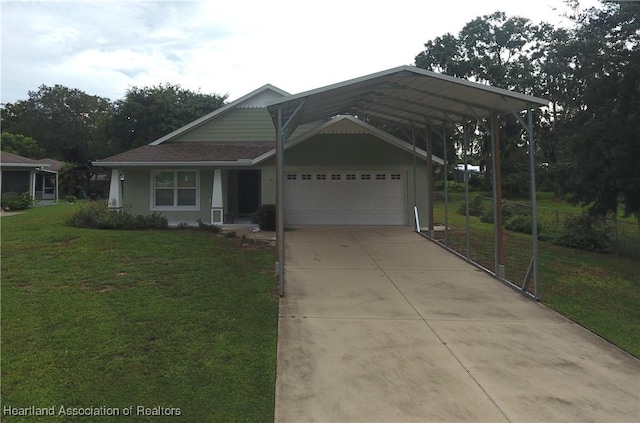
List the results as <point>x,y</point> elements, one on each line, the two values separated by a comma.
<point>426,105</point>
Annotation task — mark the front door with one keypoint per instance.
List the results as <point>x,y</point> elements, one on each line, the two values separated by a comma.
<point>248,191</point>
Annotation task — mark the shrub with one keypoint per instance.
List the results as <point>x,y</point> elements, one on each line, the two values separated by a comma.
<point>72,182</point>
<point>585,232</point>
<point>18,201</point>
<point>476,207</point>
<point>508,210</point>
<point>475,181</point>
<point>266,217</point>
<point>98,216</point>
<point>211,228</point>
<point>520,223</point>
<point>230,234</point>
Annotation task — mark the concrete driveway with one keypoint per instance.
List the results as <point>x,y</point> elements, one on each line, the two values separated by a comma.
<point>380,325</point>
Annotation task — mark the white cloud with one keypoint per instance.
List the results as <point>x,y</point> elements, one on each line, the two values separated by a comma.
<point>103,48</point>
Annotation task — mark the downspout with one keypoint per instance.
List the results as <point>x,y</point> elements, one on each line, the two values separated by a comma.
<point>415,188</point>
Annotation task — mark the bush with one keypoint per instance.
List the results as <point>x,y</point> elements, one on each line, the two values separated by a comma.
<point>265,216</point>
<point>98,216</point>
<point>585,232</point>
<point>211,228</point>
<point>476,207</point>
<point>508,210</point>
<point>520,223</point>
<point>72,182</point>
<point>18,201</point>
<point>475,181</point>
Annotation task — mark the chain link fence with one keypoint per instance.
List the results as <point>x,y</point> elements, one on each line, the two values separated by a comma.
<point>621,237</point>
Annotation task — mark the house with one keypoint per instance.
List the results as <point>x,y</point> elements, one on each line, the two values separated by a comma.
<point>37,177</point>
<point>220,168</point>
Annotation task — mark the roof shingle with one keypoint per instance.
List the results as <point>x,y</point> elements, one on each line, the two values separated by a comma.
<point>192,152</point>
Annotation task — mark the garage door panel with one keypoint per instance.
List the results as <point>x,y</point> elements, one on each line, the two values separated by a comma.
<point>345,198</point>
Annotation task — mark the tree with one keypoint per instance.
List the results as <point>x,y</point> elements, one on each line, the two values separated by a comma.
<point>503,52</point>
<point>67,123</point>
<point>601,110</point>
<point>21,145</point>
<point>146,114</point>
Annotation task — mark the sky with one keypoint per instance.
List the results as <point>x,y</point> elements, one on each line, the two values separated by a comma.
<point>105,47</point>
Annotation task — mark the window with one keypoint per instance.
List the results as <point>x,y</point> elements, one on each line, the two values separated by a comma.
<point>175,189</point>
<point>395,176</point>
<point>336,176</point>
<point>381,176</point>
<point>292,177</point>
<point>351,177</point>
<point>365,177</point>
<point>321,177</point>
<point>306,177</point>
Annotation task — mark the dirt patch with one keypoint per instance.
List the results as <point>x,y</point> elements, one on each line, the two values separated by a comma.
<point>4,213</point>
<point>106,288</point>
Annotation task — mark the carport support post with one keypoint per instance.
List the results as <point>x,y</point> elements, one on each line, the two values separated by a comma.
<point>430,183</point>
<point>445,174</point>
<point>534,220</point>
<point>466,189</point>
<point>497,197</point>
<point>280,200</point>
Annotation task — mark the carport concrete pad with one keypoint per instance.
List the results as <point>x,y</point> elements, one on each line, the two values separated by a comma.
<point>380,324</point>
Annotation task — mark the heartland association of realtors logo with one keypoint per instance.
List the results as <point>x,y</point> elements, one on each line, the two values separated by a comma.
<point>62,410</point>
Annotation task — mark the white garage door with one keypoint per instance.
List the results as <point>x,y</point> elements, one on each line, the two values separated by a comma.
<point>345,198</point>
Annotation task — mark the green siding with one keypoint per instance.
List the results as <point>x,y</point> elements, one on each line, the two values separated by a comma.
<point>234,125</point>
<point>346,150</point>
<point>250,124</point>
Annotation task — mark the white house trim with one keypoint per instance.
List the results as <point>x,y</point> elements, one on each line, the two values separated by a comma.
<point>115,193</point>
<point>217,201</point>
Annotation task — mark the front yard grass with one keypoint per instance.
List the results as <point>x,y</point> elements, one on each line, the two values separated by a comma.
<point>174,318</point>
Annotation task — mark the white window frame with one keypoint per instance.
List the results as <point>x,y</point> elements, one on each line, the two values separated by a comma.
<point>152,196</point>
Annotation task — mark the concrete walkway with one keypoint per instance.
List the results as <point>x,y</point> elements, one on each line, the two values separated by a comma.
<point>381,325</point>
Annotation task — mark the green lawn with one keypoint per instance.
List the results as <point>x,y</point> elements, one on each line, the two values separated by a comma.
<point>599,291</point>
<point>173,318</point>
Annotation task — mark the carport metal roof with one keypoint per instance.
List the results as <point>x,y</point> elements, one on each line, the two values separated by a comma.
<point>405,95</point>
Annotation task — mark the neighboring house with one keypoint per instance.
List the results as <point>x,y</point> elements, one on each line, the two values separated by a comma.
<point>47,180</point>
<point>221,167</point>
<point>37,177</point>
<point>469,168</point>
